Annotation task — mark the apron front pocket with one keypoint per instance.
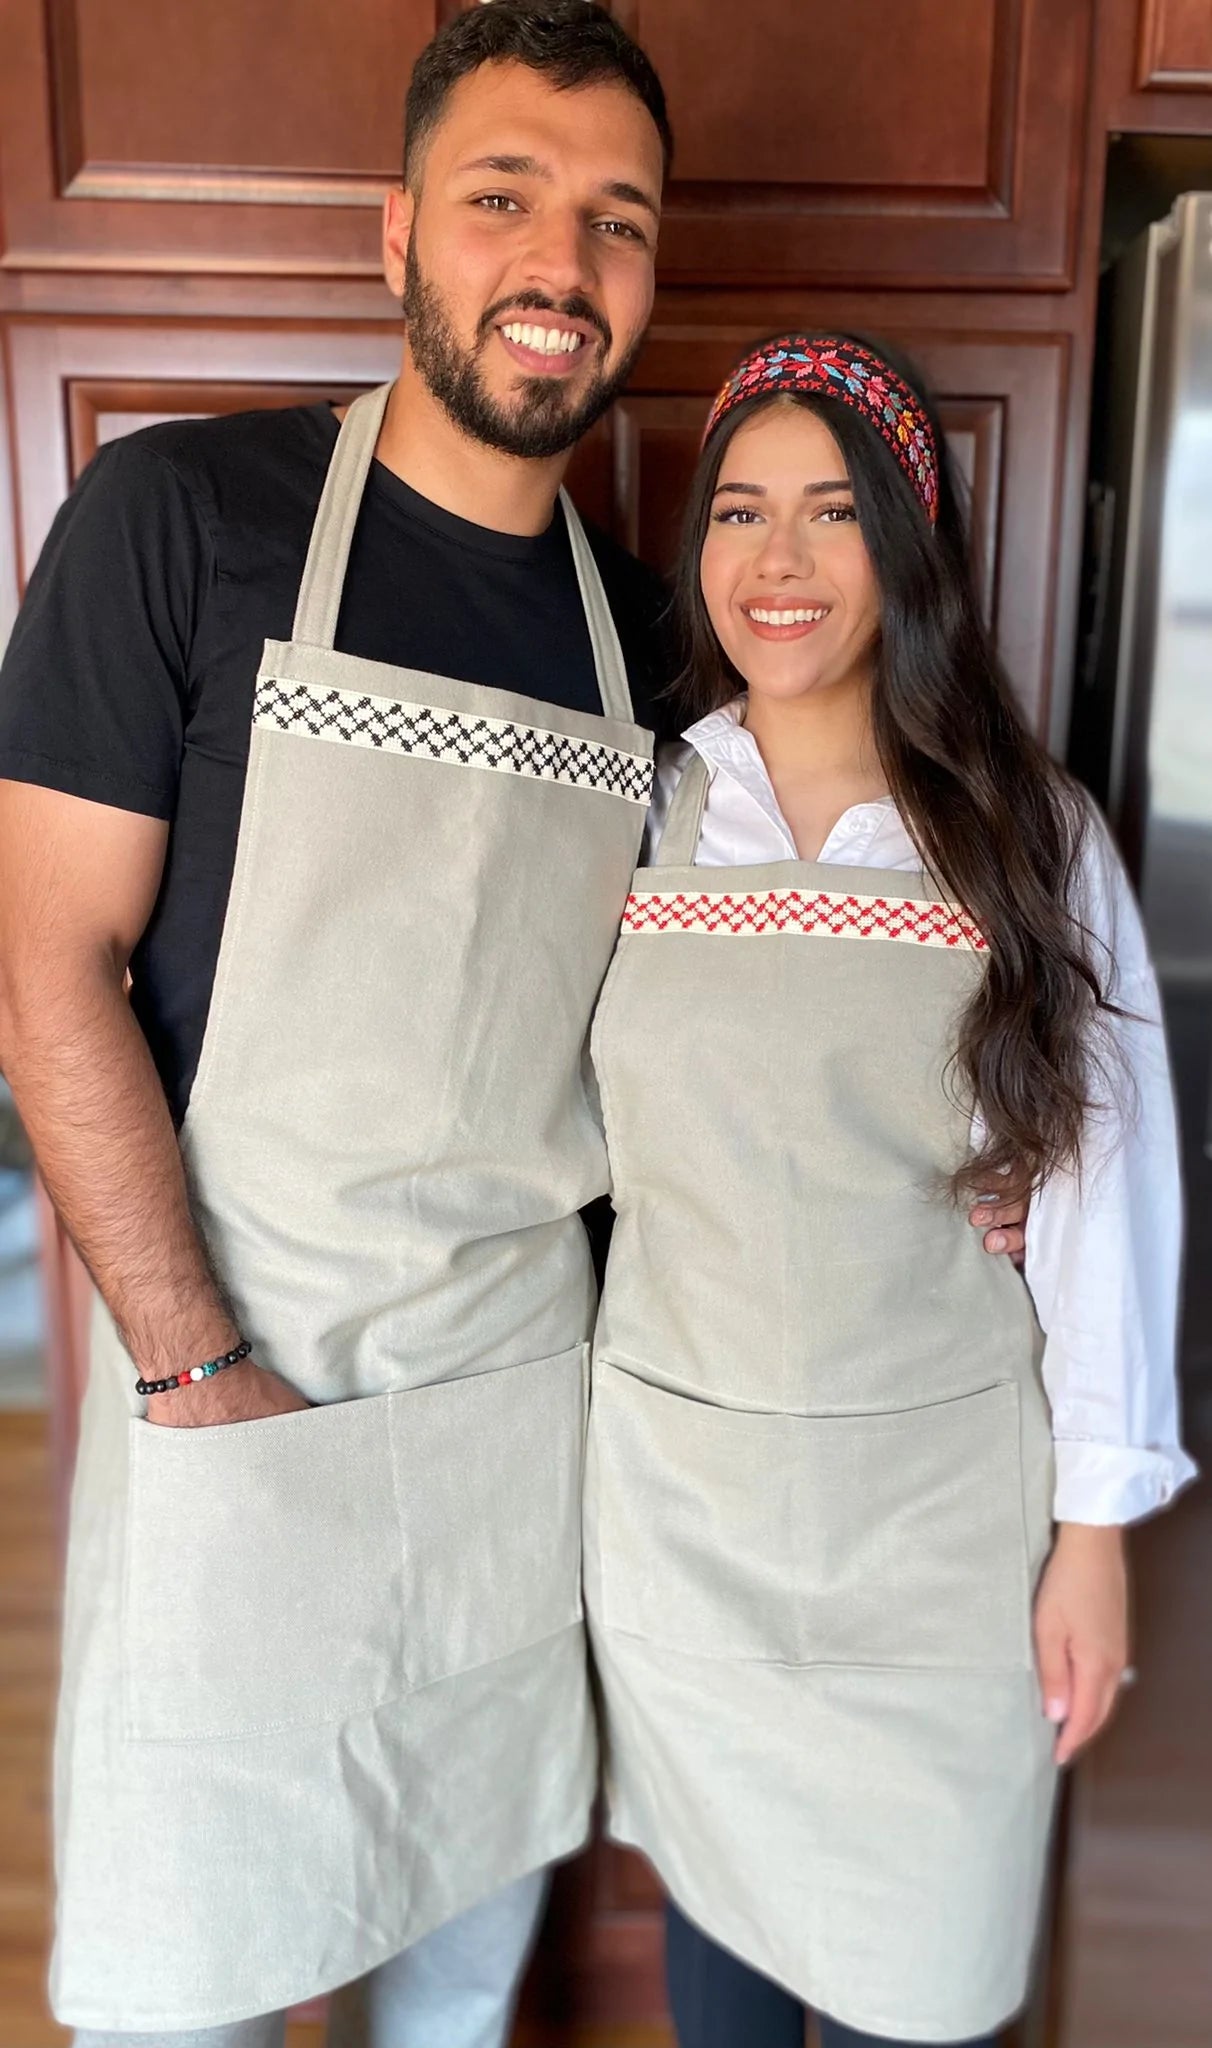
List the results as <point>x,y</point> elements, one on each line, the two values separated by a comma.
<point>263,1578</point>
<point>488,1474</point>
<point>889,1539</point>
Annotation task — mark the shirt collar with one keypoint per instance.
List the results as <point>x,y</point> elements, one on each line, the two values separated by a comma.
<point>721,736</point>
<point>728,745</point>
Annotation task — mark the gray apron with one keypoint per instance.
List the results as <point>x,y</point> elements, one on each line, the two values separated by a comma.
<point>820,1464</point>
<point>324,1680</point>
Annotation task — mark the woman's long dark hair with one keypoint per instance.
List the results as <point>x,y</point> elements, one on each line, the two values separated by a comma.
<point>997,823</point>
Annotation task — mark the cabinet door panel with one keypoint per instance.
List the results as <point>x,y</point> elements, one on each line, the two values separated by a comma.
<point>1175,46</point>
<point>918,143</point>
<point>151,134</point>
<point>776,105</point>
<point>76,383</point>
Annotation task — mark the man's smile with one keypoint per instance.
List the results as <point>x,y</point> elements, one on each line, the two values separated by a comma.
<point>542,351</point>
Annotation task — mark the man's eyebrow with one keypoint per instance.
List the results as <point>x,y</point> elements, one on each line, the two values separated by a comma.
<point>530,167</point>
<point>510,166</point>
<point>631,195</point>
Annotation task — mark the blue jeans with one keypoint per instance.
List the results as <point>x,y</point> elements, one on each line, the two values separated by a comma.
<point>456,1988</point>
<point>719,2002</point>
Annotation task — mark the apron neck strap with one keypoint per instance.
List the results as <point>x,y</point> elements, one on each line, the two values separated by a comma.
<point>679,842</point>
<point>607,653</point>
<point>336,516</point>
<point>319,601</point>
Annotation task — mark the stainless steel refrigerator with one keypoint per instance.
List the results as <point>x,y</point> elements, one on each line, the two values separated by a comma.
<point>1142,734</point>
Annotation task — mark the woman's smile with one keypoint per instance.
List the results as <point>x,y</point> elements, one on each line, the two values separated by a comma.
<point>783,620</point>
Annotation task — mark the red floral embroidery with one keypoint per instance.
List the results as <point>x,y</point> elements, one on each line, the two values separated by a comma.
<point>856,378</point>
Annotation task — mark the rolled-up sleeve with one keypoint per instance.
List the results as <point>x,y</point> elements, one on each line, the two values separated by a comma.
<point>1104,1246</point>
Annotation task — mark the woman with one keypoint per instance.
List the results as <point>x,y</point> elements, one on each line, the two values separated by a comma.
<point>842,1645</point>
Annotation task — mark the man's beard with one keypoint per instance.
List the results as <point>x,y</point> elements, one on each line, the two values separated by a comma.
<point>544,419</point>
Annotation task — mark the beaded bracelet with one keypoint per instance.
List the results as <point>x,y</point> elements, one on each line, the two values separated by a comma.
<point>196,1372</point>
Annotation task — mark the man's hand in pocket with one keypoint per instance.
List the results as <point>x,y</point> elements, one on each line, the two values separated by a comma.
<point>240,1393</point>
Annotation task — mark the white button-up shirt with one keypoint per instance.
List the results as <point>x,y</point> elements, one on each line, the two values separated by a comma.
<point>1102,1255</point>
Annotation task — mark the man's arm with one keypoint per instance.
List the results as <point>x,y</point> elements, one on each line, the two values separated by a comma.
<point>79,883</point>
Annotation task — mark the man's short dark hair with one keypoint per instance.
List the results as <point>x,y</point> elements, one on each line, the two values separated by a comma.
<point>569,42</point>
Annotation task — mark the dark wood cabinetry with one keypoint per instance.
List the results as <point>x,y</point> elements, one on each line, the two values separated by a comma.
<point>189,224</point>
<point>189,221</point>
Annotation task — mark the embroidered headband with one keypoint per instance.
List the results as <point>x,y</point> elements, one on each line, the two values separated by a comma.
<point>826,367</point>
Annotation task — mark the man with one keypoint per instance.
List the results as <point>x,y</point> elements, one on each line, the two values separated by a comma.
<point>324,1715</point>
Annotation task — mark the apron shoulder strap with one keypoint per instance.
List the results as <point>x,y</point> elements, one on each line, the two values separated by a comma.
<point>679,842</point>
<point>607,652</point>
<point>319,599</point>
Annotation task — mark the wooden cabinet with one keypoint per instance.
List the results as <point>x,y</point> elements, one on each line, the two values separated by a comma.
<point>911,170</point>
<point>189,224</point>
<point>1174,52</point>
<point>153,134</point>
<point>922,142</point>
<point>76,383</point>
<point>1153,66</point>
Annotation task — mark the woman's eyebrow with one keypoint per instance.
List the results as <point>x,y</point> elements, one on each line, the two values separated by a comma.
<point>822,490</point>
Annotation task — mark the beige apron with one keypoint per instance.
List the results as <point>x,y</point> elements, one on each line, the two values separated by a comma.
<point>820,1462</point>
<point>325,1677</point>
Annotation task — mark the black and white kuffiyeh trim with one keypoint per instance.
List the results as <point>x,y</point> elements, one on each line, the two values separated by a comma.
<point>390,725</point>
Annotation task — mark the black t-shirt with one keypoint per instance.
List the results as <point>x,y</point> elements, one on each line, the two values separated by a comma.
<point>129,677</point>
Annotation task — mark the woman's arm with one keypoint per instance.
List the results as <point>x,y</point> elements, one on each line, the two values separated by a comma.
<point>1103,1248</point>
<point>1103,1252</point>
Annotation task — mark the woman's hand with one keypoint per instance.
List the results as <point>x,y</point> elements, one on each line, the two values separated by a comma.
<point>1004,1224</point>
<point>1081,1632</point>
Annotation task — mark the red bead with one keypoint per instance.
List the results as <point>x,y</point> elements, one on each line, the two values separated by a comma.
<point>182,1379</point>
